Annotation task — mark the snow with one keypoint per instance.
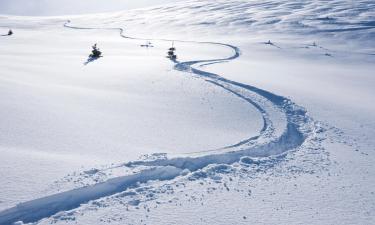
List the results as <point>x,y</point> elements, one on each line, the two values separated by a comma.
<point>96,109</point>
<point>235,131</point>
<point>68,7</point>
<point>40,208</point>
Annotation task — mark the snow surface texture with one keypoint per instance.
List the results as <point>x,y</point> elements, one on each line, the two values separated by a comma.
<point>68,7</point>
<point>348,22</point>
<point>274,145</point>
<point>290,143</point>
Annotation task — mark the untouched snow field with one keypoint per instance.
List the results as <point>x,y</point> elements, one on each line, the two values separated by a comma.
<point>69,7</point>
<point>266,116</point>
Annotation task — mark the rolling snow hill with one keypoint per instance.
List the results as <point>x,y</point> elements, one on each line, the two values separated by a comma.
<point>266,116</point>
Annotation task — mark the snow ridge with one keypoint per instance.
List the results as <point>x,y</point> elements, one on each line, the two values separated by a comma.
<point>286,127</point>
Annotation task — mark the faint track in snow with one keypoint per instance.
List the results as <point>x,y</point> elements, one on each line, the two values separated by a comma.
<point>293,127</point>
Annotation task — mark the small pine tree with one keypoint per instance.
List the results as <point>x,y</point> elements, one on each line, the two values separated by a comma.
<point>96,53</point>
<point>171,52</point>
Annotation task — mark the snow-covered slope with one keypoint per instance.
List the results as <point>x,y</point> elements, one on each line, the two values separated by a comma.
<point>345,22</point>
<point>266,116</point>
<point>69,7</point>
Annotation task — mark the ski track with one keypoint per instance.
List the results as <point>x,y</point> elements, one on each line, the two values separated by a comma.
<point>271,141</point>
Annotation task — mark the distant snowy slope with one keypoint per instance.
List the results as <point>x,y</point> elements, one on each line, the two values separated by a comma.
<point>67,7</point>
<point>340,21</point>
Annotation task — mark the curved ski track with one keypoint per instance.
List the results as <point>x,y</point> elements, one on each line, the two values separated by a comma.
<point>285,127</point>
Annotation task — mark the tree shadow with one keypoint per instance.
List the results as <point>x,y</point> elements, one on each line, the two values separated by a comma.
<point>91,59</point>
